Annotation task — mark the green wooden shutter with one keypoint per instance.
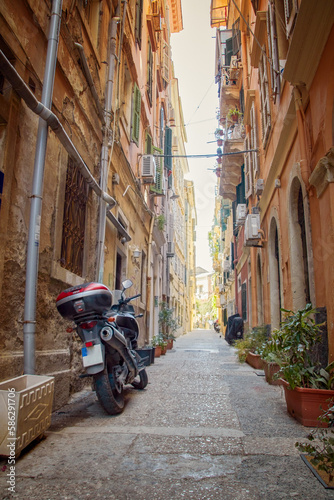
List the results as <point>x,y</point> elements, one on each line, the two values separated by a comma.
<point>148,144</point>
<point>168,148</point>
<point>158,186</point>
<point>136,105</point>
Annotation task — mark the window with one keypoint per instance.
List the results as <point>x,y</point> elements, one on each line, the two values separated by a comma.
<point>165,61</point>
<point>168,148</point>
<point>244,301</point>
<point>148,144</point>
<point>264,98</point>
<point>290,10</point>
<point>76,195</point>
<point>138,25</point>
<point>150,73</point>
<point>136,107</point>
<point>92,13</point>
<point>126,85</point>
<point>273,50</point>
<point>251,158</point>
<point>158,187</point>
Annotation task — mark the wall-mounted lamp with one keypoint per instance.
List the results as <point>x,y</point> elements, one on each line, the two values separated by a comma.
<point>174,196</point>
<point>136,253</point>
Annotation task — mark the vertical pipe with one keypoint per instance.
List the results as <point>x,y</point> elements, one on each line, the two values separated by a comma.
<point>106,141</point>
<point>29,325</point>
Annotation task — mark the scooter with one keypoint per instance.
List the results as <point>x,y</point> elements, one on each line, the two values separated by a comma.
<point>108,354</point>
<point>216,326</point>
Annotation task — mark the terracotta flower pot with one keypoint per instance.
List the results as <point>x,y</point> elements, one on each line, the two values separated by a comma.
<point>306,405</point>
<point>170,344</point>
<point>270,369</point>
<point>255,361</point>
<point>157,352</point>
<point>163,350</point>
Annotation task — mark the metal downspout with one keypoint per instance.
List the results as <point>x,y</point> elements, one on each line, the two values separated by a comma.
<point>107,138</point>
<point>29,325</point>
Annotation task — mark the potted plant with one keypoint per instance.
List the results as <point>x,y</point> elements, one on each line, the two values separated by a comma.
<point>307,386</point>
<point>234,114</point>
<point>271,355</point>
<point>160,345</point>
<point>319,450</point>
<point>250,347</point>
<point>167,323</point>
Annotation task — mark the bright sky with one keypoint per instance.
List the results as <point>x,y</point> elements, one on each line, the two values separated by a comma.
<point>193,54</point>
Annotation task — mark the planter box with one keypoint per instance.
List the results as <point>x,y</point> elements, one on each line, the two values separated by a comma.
<point>146,354</point>
<point>270,369</point>
<point>157,351</point>
<point>306,405</point>
<point>255,361</point>
<point>25,411</point>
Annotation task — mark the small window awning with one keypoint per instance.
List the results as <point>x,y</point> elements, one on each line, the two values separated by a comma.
<point>219,13</point>
<point>121,229</point>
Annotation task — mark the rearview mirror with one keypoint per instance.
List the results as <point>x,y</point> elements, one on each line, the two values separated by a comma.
<point>126,284</point>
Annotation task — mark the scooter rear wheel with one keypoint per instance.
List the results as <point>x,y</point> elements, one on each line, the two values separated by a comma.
<point>141,381</point>
<point>109,394</point>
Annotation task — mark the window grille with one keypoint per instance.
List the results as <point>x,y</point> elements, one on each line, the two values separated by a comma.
<point>76,196</point>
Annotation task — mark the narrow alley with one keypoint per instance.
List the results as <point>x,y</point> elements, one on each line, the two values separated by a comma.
<point>205,428</point>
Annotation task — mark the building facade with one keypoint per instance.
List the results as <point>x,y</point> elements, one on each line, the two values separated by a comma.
<point>274,70</point>
<point>85,105</point>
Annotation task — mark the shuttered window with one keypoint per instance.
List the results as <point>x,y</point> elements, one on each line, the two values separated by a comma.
<point>165,61</point>
<point>149,72</point>
<point>73,236</point>
<point>244,301</point>
<point>168,148</point>
<point>148,144</point>
<point>159,179</point>
<point>136,105</point>
<point>139,18</point>
<point>264,97</point>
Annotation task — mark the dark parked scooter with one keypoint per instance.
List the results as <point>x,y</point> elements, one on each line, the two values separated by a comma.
<point>108,350</point>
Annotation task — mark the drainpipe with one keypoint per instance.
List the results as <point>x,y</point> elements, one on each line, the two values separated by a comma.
<point>29,324</point>
<point>304,165</point>
<point>108,135</point>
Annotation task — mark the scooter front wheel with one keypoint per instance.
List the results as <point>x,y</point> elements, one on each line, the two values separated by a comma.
<point>141,381</point>
<point>109,392</point>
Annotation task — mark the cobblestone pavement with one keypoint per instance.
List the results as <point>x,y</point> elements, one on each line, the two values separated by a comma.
<point>205,428</point>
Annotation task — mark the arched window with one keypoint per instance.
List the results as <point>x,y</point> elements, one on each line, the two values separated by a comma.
<point>275,275</point>
<point>300,280</point>
<point>259,291</point>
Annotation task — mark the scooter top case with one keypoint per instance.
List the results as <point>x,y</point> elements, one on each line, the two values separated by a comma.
<point>83,301</point>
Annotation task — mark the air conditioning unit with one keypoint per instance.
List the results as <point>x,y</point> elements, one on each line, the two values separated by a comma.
<point>241,214</point>
<point>148,169</point>
<point>170,249</point>
<point>234,62</point>
<point>252,230</point>
<point>259,186</point>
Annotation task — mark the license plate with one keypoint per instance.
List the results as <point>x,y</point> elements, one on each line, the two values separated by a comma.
<point>92,355</point>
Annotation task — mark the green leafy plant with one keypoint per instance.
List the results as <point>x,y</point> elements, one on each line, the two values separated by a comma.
<point>252,342</point>
<point>161,221</point>
<point>234,113</point>
<point>158,340</point>
<point>291,345</point>
<point>167,322</point>
<point>320,447</point>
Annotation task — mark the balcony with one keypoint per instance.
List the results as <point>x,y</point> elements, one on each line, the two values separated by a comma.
<point>231,164</point>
